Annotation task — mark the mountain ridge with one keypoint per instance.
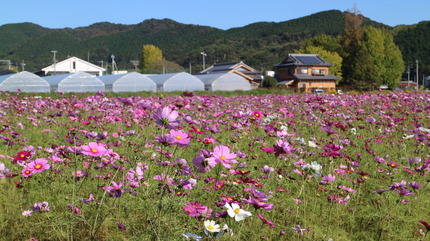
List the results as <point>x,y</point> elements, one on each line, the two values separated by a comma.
<point>260,44</point>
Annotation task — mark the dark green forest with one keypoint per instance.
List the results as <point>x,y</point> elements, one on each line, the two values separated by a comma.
<point>260,45</point>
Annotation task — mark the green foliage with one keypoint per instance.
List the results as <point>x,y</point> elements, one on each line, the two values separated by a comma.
<point>269,81</point>
<point>149,55</point>
<point>327,42</point>
<point>414,44</point>
<point>378,60</point>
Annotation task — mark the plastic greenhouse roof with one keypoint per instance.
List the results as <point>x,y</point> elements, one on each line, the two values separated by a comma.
<point>177,82</point>
<point>128,82</point>
<point>75,82</point>
<point>73,77</point>
<point>225,81</point>
<point>25,81</point>
<point>133,76</point>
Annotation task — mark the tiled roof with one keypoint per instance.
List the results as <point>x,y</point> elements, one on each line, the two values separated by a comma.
<point>304,59</point>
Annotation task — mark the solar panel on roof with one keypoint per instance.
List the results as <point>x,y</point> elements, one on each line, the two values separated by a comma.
<point>312,60</point>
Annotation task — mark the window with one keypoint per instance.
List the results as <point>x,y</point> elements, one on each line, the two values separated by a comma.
<point>318,72</point>
<point>74,64</point>
<point>302,71</point>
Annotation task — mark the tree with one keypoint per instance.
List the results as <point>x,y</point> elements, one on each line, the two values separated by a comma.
<point>325,41</point>
<point>378,60</point>
<point>269,82</point>
<point>349,42</point>
<point>149,55</point>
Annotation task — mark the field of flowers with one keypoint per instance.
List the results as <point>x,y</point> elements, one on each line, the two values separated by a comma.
<point>206,167</point>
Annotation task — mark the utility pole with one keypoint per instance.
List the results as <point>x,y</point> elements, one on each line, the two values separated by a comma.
<point>113,64</point>
<point>135,63</point>
<point>204,55</point>
<point>54,60</point>
<point>23,65</point>
<point>417,73</point>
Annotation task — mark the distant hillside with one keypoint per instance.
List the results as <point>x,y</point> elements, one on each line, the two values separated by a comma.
<point>414,42</point>
<point>261,45</point>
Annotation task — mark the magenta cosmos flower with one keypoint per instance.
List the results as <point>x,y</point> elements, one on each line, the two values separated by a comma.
<point>166,117</point>
<point>38,165</point>
<point>222,154</point>
<point>94,149</point>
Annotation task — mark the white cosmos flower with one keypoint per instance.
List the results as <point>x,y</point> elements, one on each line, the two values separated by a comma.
<point>211,226</point>
<point>312,144</point>
<point>235,211</point>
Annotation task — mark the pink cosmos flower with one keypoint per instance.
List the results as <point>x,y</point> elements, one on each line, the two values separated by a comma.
<point>94,149</point>
<point>115,190</point>
<point>222,154</point>
<point>327,179</point>
<point>38,165</point>
<point>203,162</point>
<point>270,223</point>
<point>41,207</point>
<point>26,172</point>
<point>179,138</point>
<point>195,209</point>
<point>27,213</point>
<point>166,117</point>
<point>258,204</point>
<point>257,115</point>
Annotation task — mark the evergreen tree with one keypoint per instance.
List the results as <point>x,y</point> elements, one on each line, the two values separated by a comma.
<point>349,43</point>
<point>378,61</point>
<point>394,63</point>
<point>149,55</point>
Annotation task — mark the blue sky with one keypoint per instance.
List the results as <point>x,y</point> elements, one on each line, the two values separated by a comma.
<point>223,14</point>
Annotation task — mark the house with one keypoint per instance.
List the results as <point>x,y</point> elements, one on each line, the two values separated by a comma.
<point>72,65</point>
<point>253,76</point>
<point>305,73</point>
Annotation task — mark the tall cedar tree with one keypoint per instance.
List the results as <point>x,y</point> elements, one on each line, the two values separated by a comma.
<point>378,61</point>
<point>349,43</point>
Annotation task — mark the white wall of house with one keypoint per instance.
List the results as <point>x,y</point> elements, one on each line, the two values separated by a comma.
<point>73,65</point>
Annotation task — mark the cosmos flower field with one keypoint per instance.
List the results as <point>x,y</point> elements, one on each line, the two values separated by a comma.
<point>209,167</point>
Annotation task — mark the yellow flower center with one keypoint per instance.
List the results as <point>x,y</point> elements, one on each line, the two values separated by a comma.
<point>222,158</point>
<point>93,150</point>
<point>237,211</point>
<point>178,137</point>
<point>22,155</point>
<point>210,227</point>
<point>38,166</point>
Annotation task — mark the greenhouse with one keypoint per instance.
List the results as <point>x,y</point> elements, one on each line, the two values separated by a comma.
<point>25,82</point>
<point>224,82</point>
<point>75,82</point>
<point>128,82</point>
<point>177,82</point>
